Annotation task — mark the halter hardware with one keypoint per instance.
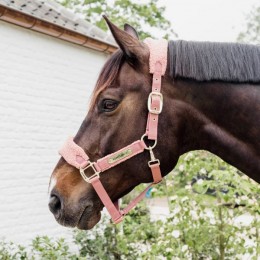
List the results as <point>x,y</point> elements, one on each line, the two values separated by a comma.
<point>153,159</point>
<point>84,176</point>
<point>149,103</point>
<point>146,146</point>
<point>72,152</point>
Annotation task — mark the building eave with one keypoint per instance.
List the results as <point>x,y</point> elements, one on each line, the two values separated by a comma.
<point>32,23</point>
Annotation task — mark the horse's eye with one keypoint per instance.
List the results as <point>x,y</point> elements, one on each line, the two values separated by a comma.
<point>109,105</point>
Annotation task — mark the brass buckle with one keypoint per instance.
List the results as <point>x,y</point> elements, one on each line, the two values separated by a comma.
<point>88,179</point>
<point>149,103</point>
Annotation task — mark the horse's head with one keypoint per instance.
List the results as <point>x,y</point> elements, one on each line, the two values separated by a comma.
<point>116,118</point>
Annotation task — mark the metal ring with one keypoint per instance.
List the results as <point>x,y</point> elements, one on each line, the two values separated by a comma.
<point>148,147</point>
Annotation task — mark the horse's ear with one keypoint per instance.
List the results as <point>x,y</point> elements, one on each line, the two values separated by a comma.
<point>131,30</point>
<point>127,40</point>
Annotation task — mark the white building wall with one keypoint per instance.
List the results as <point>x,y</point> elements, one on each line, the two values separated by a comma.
<point>45,85</point>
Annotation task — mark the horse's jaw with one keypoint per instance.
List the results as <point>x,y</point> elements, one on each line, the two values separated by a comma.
<point>88,219</point>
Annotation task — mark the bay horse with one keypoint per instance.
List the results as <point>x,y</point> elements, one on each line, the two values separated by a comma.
<point>211,101</point>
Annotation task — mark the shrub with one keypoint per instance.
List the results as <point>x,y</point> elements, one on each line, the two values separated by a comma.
<point>43,248</point>
<point>11,251</point>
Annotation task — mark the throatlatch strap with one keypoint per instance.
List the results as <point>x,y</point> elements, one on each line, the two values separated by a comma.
<point>156,172</point>
<point>135,201</point>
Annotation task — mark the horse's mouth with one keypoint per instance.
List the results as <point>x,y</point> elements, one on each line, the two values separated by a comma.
<point>89,218</point>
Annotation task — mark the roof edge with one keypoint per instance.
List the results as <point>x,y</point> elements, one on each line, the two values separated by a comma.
<point>32,23</point>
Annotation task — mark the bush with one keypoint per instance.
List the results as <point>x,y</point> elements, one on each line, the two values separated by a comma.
<point>43,248</point>
<point>10,251</point>
<point>203,226</point>
<point>123,241</point>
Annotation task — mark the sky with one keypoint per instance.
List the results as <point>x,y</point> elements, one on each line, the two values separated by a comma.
<point>208,20</point>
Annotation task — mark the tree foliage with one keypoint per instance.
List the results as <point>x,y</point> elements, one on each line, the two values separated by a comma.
<point>252,32</point>
<point>143,15</point>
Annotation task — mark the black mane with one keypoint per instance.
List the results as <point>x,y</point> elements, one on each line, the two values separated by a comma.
<point>204,61</point>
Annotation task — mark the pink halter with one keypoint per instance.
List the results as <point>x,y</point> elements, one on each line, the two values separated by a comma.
<point>77,157</point>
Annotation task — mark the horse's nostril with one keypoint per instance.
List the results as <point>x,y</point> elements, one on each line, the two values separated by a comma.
<point>54,204</point>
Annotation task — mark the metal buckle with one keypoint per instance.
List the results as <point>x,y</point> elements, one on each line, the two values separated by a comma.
<point>150,163</point>
<point>149,103</point>
<point>88,179</point>
<point>153,159</point>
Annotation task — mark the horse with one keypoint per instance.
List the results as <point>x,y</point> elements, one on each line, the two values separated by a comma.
<point>211,101</point>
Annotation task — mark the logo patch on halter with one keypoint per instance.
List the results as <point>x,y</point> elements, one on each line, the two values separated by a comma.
<point>120,156</point>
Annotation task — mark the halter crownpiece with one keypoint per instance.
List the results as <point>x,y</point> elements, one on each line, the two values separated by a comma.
<point>76,156</point>
<point>158,54</point>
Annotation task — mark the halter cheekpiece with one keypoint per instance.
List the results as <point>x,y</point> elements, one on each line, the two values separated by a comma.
<point>77,157</point>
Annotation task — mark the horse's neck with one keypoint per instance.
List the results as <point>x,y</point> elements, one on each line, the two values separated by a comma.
<point>226,118</point>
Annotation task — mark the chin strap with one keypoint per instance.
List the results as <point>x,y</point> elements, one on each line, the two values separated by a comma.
<point>77,157</point>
